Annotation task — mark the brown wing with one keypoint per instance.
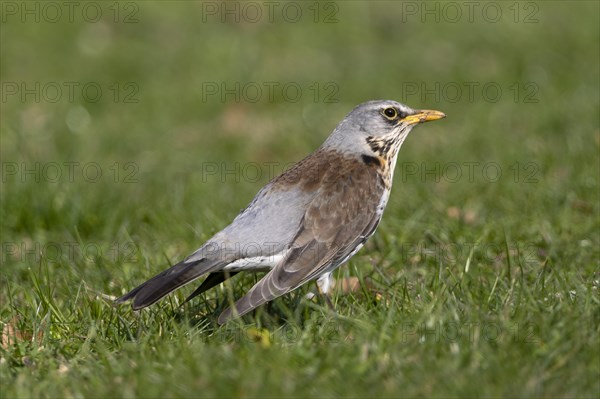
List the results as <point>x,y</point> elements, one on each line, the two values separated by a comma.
<point>343,214</point>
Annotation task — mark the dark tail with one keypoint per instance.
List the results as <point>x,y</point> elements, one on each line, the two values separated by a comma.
<point>168,281</point>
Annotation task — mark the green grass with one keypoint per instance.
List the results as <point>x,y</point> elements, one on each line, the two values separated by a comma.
<point>474,285</point>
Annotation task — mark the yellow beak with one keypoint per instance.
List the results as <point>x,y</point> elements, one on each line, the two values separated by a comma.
<point>424,115</point>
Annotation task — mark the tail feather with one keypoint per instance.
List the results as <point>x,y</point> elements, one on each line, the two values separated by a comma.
<point>131,294</point>
<point>168,281</point>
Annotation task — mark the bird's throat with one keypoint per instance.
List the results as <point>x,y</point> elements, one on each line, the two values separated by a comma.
<point>385,151</point>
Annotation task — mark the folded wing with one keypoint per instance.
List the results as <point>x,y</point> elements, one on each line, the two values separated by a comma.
<point>343,214</point>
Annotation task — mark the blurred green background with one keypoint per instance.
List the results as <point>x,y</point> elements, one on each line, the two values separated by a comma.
<point>133,131</point>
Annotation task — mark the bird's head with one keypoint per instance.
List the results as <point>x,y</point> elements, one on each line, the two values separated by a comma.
<point>379,126</point>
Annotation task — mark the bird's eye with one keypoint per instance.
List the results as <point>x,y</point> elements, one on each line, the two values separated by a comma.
<point>390,113</point>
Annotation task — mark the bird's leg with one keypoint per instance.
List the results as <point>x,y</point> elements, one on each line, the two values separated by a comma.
<point>329,303</point>
<point>324,285</point>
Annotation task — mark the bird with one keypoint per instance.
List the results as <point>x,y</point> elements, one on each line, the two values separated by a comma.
<point>306,222</point>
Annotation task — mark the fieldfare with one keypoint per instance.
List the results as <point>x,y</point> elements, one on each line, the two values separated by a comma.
<point>307,221</point>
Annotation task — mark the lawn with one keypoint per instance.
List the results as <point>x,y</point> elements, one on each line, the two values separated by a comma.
<point>131,132</point>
